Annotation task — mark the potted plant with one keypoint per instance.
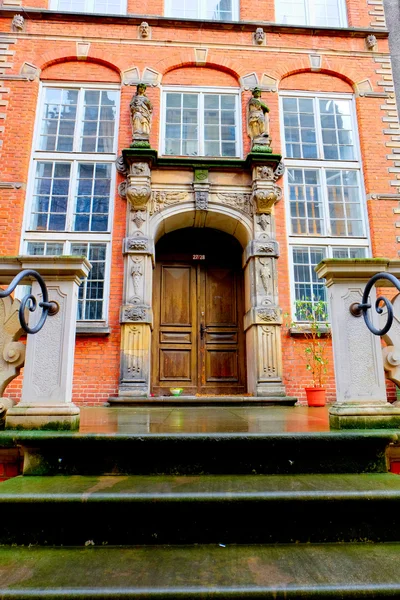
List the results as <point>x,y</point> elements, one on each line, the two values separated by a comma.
<point>317,333</point>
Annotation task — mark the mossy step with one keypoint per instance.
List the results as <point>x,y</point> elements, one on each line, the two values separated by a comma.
<point>217,571</point>
<point>49,453</point>
<point>69,510</point>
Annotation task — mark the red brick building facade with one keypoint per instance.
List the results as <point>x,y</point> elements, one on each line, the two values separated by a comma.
<point>66,82</point>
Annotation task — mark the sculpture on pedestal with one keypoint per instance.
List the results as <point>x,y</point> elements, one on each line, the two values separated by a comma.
<point>258,123</point>
<point>141,112</point>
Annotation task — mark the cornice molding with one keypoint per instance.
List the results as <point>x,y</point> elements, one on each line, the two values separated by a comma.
<point>167,22</point>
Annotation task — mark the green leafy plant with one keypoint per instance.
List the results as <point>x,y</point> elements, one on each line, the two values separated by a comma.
<point>317,334</point>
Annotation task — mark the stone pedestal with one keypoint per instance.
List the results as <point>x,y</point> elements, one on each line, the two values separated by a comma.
<point>46,401</point>
<point>360,381</point>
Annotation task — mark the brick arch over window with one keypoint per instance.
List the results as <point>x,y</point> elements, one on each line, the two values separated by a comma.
<point>214,61</point>
<point>71,69</point>
<point>199,76</point>
<point>323,81</point>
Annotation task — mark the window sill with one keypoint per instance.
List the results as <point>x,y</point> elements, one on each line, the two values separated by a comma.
<point>300,330</point>
<point>91,330</point>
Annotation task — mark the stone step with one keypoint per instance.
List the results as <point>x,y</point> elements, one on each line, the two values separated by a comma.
<point>117,510</point>
<point>205,571</point>
<point>203,401</point>
<point>50,453</point>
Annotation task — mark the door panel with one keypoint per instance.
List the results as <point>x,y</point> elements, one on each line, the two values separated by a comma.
<point>221,351</point>
<point>175,329</point>
<point>198,337</point>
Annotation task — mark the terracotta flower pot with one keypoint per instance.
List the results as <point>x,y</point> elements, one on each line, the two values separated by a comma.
<point>316,396</point>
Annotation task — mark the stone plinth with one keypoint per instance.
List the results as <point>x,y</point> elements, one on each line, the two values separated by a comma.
<point>360,380</point>
<point>46,401</point>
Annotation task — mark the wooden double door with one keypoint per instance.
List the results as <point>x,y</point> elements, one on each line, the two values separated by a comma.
<point>198,342</point>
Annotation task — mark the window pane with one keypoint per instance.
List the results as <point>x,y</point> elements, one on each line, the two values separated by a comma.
<point>219,134</point>
<point>97,6</point>
<point>50,198</point>
<point>91,291</point>
<point>325,13</point>
<point>292,12</point>
<point>344,199</point>
<point>59,119</point>
<point>308,289</point>
<point>99,114</point>
<point>348,252</point>
<point>337,133</point>
<point>300,133</point>
<point>92,197</point>
<point>305,202</point>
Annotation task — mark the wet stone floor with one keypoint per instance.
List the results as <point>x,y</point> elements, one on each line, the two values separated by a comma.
<point>205,419</point>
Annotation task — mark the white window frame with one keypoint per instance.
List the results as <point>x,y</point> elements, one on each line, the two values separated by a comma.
<point>202,11</point>
<point>309,14</point>
<point>68,237</point>
<point>327,241</point>
<point>201,91</point>
<point>90,7</point>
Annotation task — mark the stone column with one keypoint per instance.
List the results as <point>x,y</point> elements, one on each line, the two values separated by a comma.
<point>263,316</point>
<point>136,314</point>
<point>360,381</point>
<point>46,401</point>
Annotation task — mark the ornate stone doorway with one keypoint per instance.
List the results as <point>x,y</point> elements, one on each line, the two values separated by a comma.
<point>198,337</point>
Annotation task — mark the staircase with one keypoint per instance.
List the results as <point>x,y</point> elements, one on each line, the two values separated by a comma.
<point>201,515</point>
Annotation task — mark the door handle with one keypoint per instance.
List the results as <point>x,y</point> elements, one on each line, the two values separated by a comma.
<point>203,329</point>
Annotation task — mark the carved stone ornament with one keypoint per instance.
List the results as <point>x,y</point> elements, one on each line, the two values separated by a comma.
<point>269,315</point>
<point>161,199</point>
<point>264,172</point>
<point>121,166</point>
<point>370,41</point>
<point>279,171</point>
<point>139,217</point>
<point>135,313</point>
<point>139,169</point>
<point>144,30</point>
<point>122,189</point>
<point>267,247</point>
<point>138,195</point>
<point>137,275</point>
<point>200,175</point>
<point>259,36</point>
<point>201,199</point>
<point>258,121</point>
<point>266,198</point>
<point>12,352</point>
<point>266,276</point>
<point>141,112</point>
<point>17,24</point>
<point>238,200</point>
<point>137,244</point>
<point>264,221</point>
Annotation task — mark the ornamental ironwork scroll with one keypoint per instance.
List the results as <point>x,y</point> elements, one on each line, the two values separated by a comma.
<point>361,308</point>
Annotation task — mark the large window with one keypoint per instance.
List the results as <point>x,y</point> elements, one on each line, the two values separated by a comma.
<point>201,123</point>
<point>71,184</point>
<point>113,7</point>
<point>216,10</point>
<point>323,182</point>
<point>323,13</point>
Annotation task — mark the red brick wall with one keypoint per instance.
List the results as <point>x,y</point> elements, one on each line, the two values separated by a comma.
<point>344,63</point>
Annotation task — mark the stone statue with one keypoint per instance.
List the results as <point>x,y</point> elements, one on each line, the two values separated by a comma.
<point>259,36</point>
<point>258,120</point>
<point>141,112</point>
<point>144,30</point>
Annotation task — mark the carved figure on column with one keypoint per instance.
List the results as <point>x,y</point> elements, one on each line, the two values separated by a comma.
<point>137,274</point>
<point>258,121</point>
<point>141,113</point>
<point>266,276</point>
